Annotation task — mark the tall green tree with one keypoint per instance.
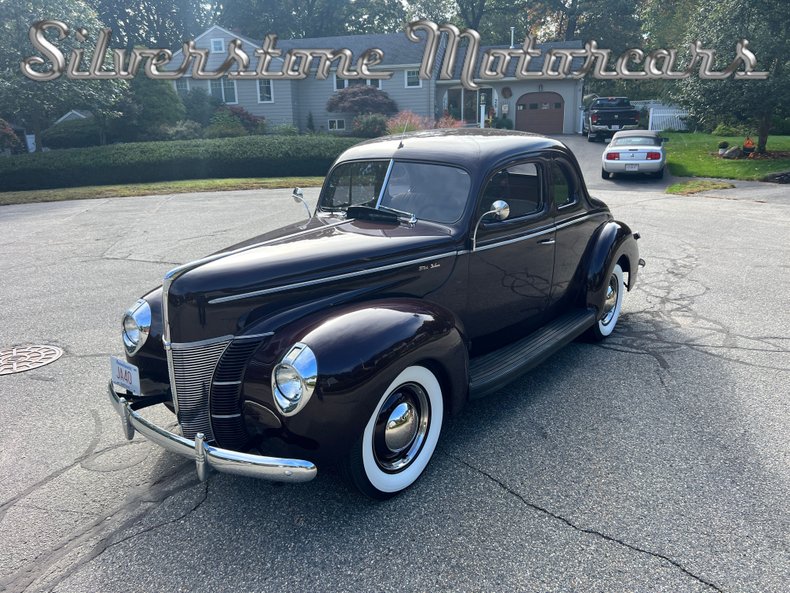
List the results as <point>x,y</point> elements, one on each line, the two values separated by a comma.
<point>34,103</point>
<point>718,24</point>
<point>311,18</point>
<point>155,23</point>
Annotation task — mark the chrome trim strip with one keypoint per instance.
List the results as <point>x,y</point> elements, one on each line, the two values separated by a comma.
<point>205,456</point>
<point>226,382</point>
<point>199,343</point>
<point>516,239</point>
<point>306,283</point>
<point>226,416</point>
<point>531,235</point>
<point>253,336</point>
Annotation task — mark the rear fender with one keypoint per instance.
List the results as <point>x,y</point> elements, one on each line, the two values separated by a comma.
<point>613,242</point>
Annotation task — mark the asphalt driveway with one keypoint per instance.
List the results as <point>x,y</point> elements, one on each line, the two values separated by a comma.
<point>657,461</point>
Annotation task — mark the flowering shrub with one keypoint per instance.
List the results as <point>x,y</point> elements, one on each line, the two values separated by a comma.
<point>406,121</point>
<point>448,121</point>
<point>250,122</point>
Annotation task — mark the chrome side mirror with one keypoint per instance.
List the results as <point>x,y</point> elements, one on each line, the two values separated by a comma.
<point>500,209</point>
<point>298,196</point>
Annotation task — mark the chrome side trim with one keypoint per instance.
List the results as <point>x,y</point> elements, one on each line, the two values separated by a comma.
<point>247,295</point>
<point>226,382</point>
<point>206,456</point>
<point>532,235</point>
<point>253,336</point>
<point>226,415</point>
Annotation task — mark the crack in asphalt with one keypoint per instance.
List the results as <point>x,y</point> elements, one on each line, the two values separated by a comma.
<point>90,449</point>
<point>149,497</point>
<point>586,530</point>
<point>105,543</point>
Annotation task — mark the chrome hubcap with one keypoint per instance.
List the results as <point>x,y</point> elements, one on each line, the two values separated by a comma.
<point>401,427</point>
<point>610,303</point>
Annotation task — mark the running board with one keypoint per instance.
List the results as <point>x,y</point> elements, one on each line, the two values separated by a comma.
<point>496,369</point>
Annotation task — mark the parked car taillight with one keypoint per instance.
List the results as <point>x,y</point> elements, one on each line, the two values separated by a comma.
<point>612,156</point>
<point>594,118</point>
<point>653,156</point>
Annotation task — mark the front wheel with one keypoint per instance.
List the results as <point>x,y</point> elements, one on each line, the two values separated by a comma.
<point>400,437</point>
<point>613,303</point>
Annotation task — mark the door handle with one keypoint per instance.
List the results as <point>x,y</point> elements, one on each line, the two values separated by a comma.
<point>546,242</point>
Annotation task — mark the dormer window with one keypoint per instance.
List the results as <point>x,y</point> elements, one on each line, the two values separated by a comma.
<point>217,46</point>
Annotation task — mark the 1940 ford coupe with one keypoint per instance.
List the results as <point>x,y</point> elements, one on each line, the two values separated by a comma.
<point>436,267</point>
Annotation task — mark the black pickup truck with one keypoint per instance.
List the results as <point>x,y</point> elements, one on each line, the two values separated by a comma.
<point>606,115</point>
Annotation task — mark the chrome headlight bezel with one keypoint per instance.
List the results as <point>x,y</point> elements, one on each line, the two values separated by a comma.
<point>301,365</point>
<point>135,326</point>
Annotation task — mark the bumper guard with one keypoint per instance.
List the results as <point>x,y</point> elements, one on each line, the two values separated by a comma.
<point>207,456</point>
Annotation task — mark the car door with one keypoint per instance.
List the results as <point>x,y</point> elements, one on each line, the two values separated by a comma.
<point>573,229</point>
<point>511,266</point>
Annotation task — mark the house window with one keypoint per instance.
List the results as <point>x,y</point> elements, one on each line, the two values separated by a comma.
<point>182,86</point>
<point>217,46</point>
<point>336,125</point>
<point>265,94</point>
<point>223,89</point>
<point>342,83</point>
<point>413,80</point>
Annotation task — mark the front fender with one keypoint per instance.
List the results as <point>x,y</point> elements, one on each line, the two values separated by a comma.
<point>613,242</point>
<point>359,349</point>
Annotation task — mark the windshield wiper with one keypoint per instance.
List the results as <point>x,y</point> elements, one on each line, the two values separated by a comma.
<point>370,213</point>
<point>381,214</point>
<point>409,215</point>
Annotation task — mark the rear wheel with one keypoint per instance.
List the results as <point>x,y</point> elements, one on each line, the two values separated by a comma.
<point>400,437</point>
<point>591,137</point>
<point>604,173</point>
<point>659,174</point>
<point>613,303</point>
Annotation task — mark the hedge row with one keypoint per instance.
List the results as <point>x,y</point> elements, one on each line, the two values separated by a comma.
<point>251,156</point>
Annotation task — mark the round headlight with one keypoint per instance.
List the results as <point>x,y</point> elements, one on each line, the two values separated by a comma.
<point>136,326</point>
<point>294,379</point>
<point>288,387</point>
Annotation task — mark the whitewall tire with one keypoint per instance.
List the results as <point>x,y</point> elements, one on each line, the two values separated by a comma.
<point>400,437</point>
<point>612,305</point>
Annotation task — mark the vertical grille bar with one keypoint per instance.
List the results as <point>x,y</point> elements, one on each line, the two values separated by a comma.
<point>193,369</point>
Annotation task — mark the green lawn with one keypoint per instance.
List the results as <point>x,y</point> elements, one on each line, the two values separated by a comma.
<point>158,188</point>
<point>696,155</point>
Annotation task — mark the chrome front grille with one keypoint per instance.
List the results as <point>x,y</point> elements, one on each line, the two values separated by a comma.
<point>193,369</point>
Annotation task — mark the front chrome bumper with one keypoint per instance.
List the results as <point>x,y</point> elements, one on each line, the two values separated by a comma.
<point>207,456</point>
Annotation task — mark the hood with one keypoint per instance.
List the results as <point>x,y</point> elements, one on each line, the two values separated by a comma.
<point>286,268</point>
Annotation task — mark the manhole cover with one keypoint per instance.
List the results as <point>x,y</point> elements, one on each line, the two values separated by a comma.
<point>25,358</point>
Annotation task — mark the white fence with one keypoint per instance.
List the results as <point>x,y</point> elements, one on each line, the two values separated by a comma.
<point>667,119</point>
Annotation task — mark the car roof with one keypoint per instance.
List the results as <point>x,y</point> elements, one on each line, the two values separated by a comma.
<point>468,147</point>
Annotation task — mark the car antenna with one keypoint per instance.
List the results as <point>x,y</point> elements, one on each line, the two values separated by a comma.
<point>402,134</point>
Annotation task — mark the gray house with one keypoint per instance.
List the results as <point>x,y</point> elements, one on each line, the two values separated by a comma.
<point>544,106</point>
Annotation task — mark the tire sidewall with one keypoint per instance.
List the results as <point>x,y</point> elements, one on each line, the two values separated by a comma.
<point>391,483</point>
<point>606,330</point>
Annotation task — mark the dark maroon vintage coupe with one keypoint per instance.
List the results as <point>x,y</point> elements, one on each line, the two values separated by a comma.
<point>436,267</point>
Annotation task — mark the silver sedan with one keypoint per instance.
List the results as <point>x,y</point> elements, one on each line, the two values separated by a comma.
<point>634,151</point>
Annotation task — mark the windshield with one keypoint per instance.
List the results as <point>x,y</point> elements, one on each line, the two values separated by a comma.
<point>429,191</point>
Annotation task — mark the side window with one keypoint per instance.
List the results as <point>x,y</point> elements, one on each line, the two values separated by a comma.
<point>519,185</point>
<point>563,185</point>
